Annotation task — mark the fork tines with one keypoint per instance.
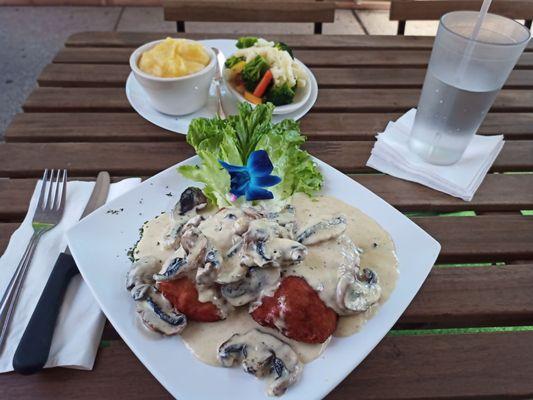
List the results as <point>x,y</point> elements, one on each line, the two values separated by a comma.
<point>53,190</point>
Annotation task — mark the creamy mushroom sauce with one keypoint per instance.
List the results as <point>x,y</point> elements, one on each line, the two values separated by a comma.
<point>377,253</point>
<point>204,341</point>
<point>151,243</point>
<point>264,356</point>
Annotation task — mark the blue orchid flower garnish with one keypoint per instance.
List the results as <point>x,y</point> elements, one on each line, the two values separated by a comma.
<point>251,179</point>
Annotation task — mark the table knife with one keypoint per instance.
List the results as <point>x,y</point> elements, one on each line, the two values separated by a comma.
<point>34,347</point>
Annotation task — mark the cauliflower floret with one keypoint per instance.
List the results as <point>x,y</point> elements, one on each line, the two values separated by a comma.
<point>284,68</point>
<point>263,43</point>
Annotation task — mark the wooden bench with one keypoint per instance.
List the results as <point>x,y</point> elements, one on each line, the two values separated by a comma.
<point>427,10</point>
<point>249,11</point>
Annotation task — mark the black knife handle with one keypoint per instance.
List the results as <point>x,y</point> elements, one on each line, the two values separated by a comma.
<point>34,347</point>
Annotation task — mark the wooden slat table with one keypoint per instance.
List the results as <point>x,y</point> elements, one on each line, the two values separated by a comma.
<point>468,332</point>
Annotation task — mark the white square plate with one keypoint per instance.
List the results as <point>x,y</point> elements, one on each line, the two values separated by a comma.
<point>99,244</point>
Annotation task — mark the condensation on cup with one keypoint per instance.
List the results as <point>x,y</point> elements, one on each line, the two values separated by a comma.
<point>463,78</point>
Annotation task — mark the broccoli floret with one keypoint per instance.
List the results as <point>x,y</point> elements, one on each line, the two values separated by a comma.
<point>283,47</point>
<point>230,62</point>
<point>246,41</point>
<point>280,95</point>
<point>253,71</point>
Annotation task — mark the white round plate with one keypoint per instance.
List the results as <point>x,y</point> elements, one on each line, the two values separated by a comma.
<point>180,124</point>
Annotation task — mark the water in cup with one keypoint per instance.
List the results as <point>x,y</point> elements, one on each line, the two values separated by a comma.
<point>471,59</point>
<point>448,115</point>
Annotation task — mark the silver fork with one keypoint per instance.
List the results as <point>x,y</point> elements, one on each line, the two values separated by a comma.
<point>219,82</point>
<point>47,215</point>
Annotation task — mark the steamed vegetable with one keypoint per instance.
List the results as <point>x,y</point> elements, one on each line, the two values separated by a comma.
<point>280,95</point>
<point>230,62</point>
<point>283,47</point>
<point>268,71</point>
<point>252,98</point>
<point>246,41</point>
<point>232,140</point>
<point>237,68</point>
<point>263,84</point>
<point>253,71</point>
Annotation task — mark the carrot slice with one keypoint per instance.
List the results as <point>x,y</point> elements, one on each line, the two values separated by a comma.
<point>251,98</point>
<point>262,86</point>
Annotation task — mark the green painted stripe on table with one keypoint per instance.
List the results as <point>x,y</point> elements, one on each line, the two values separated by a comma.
<point>436,214</point>
<point>458,331</point>
<point>527,212</point>
<point>463,265</point>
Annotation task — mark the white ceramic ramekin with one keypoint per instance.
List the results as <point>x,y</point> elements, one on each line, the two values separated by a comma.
<point>175,96</point>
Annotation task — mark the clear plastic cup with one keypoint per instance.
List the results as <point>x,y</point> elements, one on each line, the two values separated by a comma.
<point>462,80</point>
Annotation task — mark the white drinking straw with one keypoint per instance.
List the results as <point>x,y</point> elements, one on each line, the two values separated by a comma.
<point>471,44</point>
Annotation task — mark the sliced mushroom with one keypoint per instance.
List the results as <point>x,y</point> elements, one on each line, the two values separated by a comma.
<point>192,198</point>
<point>221,228</point>
<point>322,230</point>
<point>174,267</point>
<point>234,250</point>
<point>195,245</point>
<point>207,273</point>
<point>158,315</point>
<point>249,289</point>
<point>267,244</point>
<point>184,213</point>
<point>263,355</point>
<point>192,237</point>
<point>264,229</point>
<point>231,269</point>
<point>189,256</point>
<point>193,222</point>
<point>174,235</point>
<point>253,212</point>
<point>275,252</point>
<point>241,225</point>
<point>285,217</point>
<point>140,276</point>
<point>171,239</point>
<point>357,293</point>
<point>243,222</point>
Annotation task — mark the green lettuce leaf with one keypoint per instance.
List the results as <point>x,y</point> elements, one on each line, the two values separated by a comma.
<point>210,173</point>
<point>293,165</point>
<point>232,140</point>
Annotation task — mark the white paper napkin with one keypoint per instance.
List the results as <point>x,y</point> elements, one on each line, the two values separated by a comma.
<point>392,156</point>
<point>80,321</point>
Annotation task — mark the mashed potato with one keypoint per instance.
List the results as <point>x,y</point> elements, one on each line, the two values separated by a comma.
<point>173,58</point>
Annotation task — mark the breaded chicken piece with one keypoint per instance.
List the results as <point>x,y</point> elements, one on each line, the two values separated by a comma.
<point>297,312</point>
<point>183,295</point>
